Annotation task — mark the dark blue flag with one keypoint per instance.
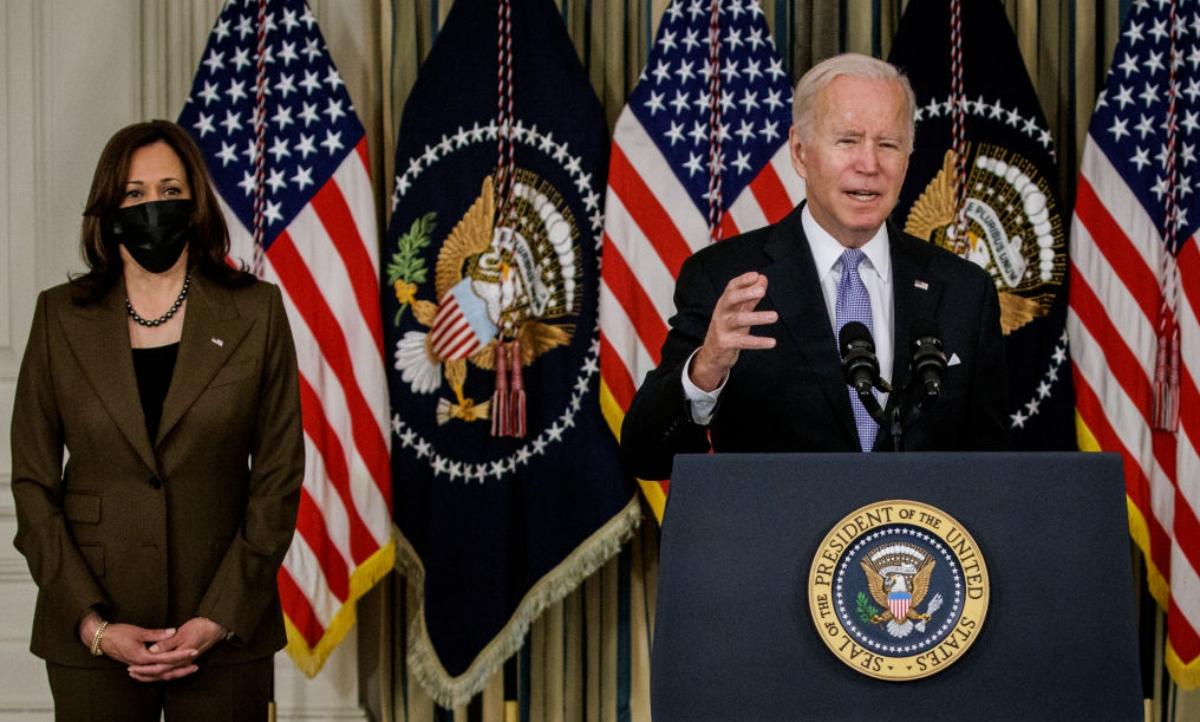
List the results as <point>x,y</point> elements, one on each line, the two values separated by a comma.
<point>508,490</point>
<point>1015,225</point>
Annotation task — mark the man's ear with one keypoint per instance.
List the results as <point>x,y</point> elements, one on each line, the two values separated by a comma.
<point>797,152</point>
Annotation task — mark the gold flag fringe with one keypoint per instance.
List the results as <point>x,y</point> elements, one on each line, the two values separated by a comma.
<point>423,662</point>
<point>311,659</point>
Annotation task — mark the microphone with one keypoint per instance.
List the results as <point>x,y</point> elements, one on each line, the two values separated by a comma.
<point>928,359</point>
<point>860,367</point>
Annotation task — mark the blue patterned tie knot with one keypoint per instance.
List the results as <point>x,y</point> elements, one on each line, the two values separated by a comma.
<point>854,304</point>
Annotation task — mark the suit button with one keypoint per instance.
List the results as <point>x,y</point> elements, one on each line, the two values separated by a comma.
<point>155,482</point>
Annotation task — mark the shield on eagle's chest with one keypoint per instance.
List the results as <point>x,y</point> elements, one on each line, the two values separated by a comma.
<point>461,326</point>
<point>899,602</point>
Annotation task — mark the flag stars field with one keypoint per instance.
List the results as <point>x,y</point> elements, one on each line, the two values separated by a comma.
<point>226,84</point>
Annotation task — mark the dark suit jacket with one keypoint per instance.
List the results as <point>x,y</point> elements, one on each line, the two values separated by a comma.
<point>155,532</point>
<point>793,397</point>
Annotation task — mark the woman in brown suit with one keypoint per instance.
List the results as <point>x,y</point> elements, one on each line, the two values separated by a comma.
<point>169,378</point>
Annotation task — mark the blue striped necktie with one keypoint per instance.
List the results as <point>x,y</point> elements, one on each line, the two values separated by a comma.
<point>853,304</point>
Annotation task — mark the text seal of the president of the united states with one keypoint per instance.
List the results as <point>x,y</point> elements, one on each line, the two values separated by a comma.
<point>898,590</point>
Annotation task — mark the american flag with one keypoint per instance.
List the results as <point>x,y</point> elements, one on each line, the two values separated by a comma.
<point>1121,254</point>
<point>321,248</point>
<point>657,207</point>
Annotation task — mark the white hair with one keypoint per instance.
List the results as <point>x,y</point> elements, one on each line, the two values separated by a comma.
<point>855,65</point>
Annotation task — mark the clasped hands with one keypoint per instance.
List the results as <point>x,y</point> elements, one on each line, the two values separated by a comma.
<point>729,330</point>
<point>154,655</point>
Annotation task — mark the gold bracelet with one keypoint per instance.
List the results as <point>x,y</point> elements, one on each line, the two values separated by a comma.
<point>96,639</point>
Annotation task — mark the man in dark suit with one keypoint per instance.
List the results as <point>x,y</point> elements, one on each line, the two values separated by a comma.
<point>781,294</point>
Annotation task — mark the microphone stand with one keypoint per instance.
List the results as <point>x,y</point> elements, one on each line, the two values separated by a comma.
<point>871,404</point>
<point>889,415</point>
<point>895,411</point>
<point>897,429</point>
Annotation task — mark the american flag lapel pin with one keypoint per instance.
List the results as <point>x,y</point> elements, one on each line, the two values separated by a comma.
<point>217,342</point>
<point>921,285</point>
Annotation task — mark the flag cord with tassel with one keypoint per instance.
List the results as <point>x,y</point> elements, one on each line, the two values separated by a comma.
<point>714,123</point>
<point>260,170</point>
<point>1166,364</point>
<point>508,399</point>
<point>506,161</point>
<point>959,133</point>
<point>260,139</point>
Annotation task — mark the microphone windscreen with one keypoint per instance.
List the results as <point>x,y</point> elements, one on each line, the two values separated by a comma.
<point>853,333</point>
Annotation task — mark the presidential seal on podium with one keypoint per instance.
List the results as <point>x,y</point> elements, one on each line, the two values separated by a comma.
<point>898,590</point>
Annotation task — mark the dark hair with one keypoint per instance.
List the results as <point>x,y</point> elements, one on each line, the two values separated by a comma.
<point>208,247</point>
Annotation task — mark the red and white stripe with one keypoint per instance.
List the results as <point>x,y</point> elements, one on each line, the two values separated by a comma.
<point>651,226</point>
<point>1115,302</point>
<point>326,263</point>
<point>451,337</point>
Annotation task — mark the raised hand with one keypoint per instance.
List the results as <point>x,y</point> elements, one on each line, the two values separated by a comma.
<point>729,330</point>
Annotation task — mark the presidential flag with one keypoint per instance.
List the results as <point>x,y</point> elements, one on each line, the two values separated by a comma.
<point>699,153</point>
<point>983,148</point>
<point>288,158</point>
<point>1135,295</point>
<point>508,488</point>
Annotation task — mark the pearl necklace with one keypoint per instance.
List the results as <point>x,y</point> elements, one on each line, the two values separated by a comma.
<point>166,316</point>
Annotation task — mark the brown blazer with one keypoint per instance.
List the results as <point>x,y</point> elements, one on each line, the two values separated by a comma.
<point>155,532</point>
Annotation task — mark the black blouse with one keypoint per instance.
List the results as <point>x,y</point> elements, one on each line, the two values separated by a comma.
<point>153,368</point>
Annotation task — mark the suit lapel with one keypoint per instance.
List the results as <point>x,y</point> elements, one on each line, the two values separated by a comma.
<point>795,289</point>
<point>917,294</point>
<point>212,331</point>
<point>99,339</point>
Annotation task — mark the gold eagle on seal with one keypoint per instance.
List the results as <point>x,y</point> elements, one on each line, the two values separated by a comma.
<point>898,580</point>
<point>493,284</point>
<point>932,217</point>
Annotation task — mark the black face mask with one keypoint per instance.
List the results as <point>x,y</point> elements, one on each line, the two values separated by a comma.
<point>154,233</point>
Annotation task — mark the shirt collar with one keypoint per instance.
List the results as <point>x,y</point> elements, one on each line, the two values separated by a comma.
<point>827,251</point>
